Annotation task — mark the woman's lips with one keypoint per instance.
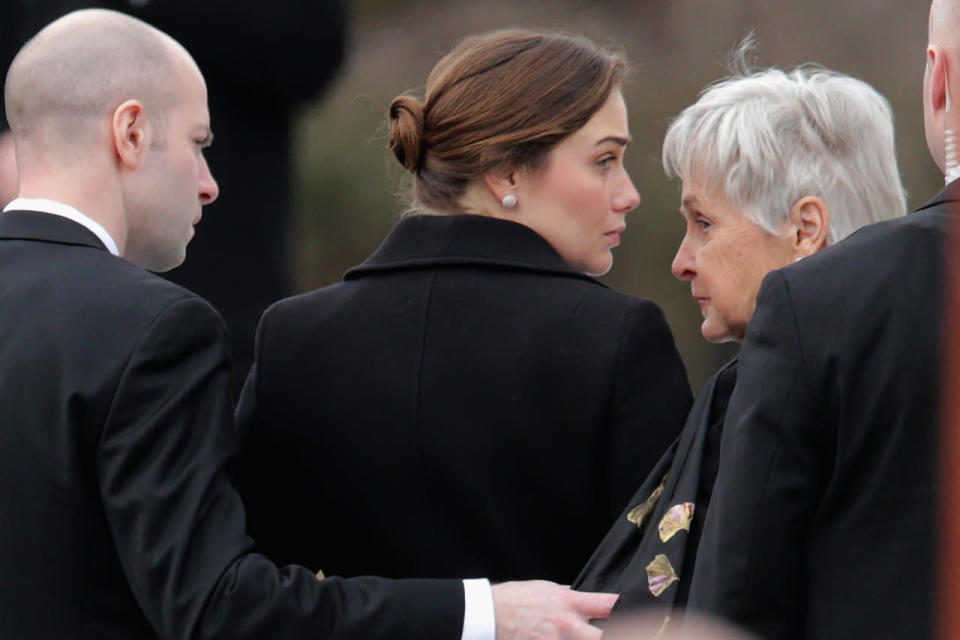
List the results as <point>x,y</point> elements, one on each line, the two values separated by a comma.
<point>614,235</point>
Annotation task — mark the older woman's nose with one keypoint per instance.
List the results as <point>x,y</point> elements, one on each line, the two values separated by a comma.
<point>684,266</point>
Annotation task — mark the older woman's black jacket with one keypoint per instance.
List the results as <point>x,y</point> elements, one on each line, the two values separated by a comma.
<point>649,554</point>
<point>463,404</point>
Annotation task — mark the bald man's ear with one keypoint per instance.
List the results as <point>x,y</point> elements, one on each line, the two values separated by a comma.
<point>937,85</point>
<point>809,225</point>
<point>131,133</point>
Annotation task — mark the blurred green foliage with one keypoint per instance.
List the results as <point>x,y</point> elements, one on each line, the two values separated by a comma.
<point>348,186</point>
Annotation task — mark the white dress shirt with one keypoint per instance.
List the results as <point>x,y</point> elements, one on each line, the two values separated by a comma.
<point>478,616</point>
<point>60,209</point>
<point>478,619</point>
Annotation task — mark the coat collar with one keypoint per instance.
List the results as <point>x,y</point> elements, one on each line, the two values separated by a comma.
<point>46,227</point>
<point>464,240</point>
<point>950,193</point>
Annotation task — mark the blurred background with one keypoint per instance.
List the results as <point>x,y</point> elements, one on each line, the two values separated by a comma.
<point>349,190</point>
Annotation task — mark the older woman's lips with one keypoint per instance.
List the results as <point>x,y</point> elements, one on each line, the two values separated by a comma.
<point>614,235</point>
<point>701,301</point>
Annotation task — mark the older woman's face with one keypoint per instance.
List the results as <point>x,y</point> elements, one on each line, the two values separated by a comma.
<point>724,256</point>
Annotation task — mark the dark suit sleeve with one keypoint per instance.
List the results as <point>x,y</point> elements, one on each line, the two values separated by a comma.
<point>750,567</point>
<point>651,399</point>
<point>178,523</point>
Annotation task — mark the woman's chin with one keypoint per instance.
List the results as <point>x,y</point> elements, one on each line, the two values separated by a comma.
<point>717,335</point>
<point>599,267</point>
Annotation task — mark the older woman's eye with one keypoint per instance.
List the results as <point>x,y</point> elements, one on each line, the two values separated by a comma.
<point>704,223</point>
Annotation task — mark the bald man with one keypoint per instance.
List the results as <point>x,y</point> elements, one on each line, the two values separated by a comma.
<point>823,520</point>
<point>117,517</point>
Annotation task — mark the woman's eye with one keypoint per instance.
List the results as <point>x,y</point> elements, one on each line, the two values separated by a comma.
<point>605,162</point>
<point>704,223</point>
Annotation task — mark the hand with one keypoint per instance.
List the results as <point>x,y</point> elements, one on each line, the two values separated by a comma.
<point>541,610</point>
<point>9,182</point>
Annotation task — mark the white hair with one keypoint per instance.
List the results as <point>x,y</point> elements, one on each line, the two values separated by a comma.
<point>767,139</point>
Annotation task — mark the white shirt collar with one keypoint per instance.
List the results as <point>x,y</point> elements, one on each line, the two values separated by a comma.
<point>65,210</point>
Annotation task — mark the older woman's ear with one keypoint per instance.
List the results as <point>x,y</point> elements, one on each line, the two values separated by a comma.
<point>809,225</point>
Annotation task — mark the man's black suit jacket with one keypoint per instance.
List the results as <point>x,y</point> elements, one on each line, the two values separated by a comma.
<point>463,404</point>
<point>822,520</point>
<point>117,519</point>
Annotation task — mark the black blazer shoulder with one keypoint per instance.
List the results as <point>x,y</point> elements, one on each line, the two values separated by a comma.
<point>89,276</point>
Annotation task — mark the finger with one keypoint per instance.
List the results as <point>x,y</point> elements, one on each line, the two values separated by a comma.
<point>593,606</point>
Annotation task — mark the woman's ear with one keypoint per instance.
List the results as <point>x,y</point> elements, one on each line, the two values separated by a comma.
<point>809,225</point>
<point>131,133</point>
<point>502,183</point>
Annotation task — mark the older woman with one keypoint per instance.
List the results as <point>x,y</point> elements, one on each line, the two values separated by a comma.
<point>470,401</point>
<point>775,166</point>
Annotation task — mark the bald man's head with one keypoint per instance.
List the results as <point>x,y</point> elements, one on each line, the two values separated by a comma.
<point>944,20</point>
<point>67,80</point>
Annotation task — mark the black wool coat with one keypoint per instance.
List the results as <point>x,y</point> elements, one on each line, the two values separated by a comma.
<point>463,404</point>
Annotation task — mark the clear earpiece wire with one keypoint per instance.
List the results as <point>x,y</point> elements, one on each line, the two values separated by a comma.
<point>951,164</point>
<point>952,167</point>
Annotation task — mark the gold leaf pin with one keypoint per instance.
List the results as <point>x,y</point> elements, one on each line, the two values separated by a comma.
<point>677,518</point>
<point>660,575</point>
<point>641,511</point>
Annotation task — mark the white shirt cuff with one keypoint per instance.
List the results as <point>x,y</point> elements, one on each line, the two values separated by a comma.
<point>479,622</point>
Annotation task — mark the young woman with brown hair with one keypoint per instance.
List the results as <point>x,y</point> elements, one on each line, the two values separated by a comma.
<point>470,401</point>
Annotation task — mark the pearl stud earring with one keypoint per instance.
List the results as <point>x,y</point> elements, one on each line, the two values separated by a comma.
<point>509,201</point>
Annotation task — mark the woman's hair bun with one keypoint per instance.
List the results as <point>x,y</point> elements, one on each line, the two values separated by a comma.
<point>406,131</point>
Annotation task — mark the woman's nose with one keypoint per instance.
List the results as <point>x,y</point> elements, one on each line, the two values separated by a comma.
<point>683,266</point>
